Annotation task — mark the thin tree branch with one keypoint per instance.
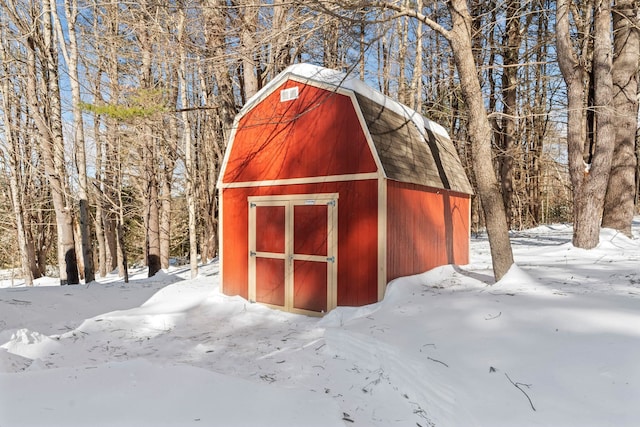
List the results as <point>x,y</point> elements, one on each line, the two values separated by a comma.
<point>518,386</point>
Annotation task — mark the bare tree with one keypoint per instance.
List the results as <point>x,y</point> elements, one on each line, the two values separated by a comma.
<point>144,13</point>
<point>619,201</point>
<point>12,151</point>
<point>98,122</point>
<point>71,55</point>
<point>480,131</point>
<point>44,102</point>
<point>536,103</point>
<point>168,156</point>
<point>415,90</point>
<point>112,182</point>
<point>459,37</point>
<point>251,73</point>
<point>511,55</point>
<point>589,164</point>
<point>190,169</point>
<point>219,110</point>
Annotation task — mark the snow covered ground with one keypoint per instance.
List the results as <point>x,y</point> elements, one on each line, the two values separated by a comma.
<point>555,343</point>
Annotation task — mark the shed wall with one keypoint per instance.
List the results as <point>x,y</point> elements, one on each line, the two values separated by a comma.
<point>426,228</point>
<point>357,237</point>
<point>318,134</point>
<point>315,144</point>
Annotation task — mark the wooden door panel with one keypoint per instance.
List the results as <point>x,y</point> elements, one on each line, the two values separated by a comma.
<point>270,229</point>
<point>310,229</point>
<point>310,285</point>
<point>270,281</point>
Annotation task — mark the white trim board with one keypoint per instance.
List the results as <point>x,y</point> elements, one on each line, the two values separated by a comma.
<point>307,180</point>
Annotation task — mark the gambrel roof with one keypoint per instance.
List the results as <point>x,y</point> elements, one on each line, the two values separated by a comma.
<point>410,147</point>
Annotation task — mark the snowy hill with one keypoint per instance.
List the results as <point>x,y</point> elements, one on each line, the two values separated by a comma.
<point>554,343</point>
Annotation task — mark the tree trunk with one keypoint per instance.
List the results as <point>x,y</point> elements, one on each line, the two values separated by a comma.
<point>190,171</point>
<point>168,154</point>
<point>98,187</point>
<point>589,181</point>
<point>248,36</point>
<point>112,193</point>
<point>605,130</point>
<point>384,53</point>
<point>71,56</point>
<point>26,256</point>
<point>52,143</point>
<point>151,205</point>
<point>14,167</point>
<point>219,126</point>
<point>281,37</point>
<point>215,18</point>
<point>480,132</point>
<point>149,155</point>
<point>112,188</point>
<point>99,220</point>
<point>122,253</point>
<point>165,215</point>
<point>619,201</point>
<point>119,223</point>
<point>415,92</point>
<point>479,127</point>
<point>64,211</point>
<point>330,43</point>
<point>363,46</point>
<point>539,120</point>
<point>511,60</point>
<point>402,29</point>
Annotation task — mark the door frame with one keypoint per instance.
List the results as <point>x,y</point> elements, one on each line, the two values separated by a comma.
<point>289,201</point>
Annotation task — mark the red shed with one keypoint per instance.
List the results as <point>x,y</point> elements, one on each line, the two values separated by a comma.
<point>329,190</point>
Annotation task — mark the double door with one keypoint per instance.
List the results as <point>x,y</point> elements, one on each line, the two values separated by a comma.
<point>293,251</point>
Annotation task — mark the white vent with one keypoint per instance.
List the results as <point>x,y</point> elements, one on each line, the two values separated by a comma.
<point>289,94</point>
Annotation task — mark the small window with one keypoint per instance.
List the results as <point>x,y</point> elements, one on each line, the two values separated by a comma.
<point>289,94</point>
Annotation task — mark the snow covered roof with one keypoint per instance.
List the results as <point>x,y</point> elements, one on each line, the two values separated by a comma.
<point>411,147</point>
<point>339,79</point>
<point>367,91</point>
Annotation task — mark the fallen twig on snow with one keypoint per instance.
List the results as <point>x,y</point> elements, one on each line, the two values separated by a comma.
<point>493,317</point>
<point>517,385</point>
<point>437,361</point>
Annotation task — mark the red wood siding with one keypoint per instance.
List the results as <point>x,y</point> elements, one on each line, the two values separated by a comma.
<point>317,134</point>
<point>426,228</point>
<point>235,243</point>
<point>357,237</point>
